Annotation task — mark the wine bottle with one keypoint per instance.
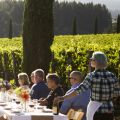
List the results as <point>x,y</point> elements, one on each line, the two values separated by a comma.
<point>55,108</point>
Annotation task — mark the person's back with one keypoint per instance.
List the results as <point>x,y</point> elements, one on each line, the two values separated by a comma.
<point>103,89</point>
<point>39,89</point>
<point>103,82</point>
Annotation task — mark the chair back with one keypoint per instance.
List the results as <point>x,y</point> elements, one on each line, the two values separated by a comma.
<point>71,114</point>
<point>75,115</point>
<point>78,115</point>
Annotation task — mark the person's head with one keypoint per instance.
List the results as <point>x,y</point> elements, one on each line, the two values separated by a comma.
<point>39,75</point>
<point>32,77</point>
<point>52,80</point>
<point>75,77</point>
<point>98,60</point>
<point>23,79</point>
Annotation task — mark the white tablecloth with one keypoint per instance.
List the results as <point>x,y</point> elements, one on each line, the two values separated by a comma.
<point>28,116</point>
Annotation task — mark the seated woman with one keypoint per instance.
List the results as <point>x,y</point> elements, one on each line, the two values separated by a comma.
<point>56,90</point>
<point>23,80</point>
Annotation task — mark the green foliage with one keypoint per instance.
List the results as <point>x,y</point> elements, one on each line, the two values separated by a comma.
<point>7,47</point>
<point>70,53</point>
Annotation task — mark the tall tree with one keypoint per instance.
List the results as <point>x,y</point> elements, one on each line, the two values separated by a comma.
<point>10,29</point>
<point>118,24</point>
<point>74,26</point>
<point>96,26</point>
<point>37,34</point>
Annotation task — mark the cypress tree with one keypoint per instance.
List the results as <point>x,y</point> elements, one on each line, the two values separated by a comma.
<point>74,26</point>
<point>118,24</point>
<point>37,34</point>
<point>96,26</point>
<point>10,29</point>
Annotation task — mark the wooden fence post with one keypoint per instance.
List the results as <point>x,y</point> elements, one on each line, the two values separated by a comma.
<point>119,66</point>
<point>4,66</point>
<point>1,67</point>
<point>14,68</point>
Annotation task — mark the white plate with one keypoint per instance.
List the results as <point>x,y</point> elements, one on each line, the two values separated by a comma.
<point>40,107</point>
<point>3,104</point>
<point>7,108</point>
<point>1,101</point>
<point>47,110</point>
<point>16,111</point>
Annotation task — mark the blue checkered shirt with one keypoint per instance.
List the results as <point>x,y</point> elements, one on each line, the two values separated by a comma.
<point>104,86</point>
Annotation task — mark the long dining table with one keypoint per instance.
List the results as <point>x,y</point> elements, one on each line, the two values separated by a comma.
<point>39,114</point>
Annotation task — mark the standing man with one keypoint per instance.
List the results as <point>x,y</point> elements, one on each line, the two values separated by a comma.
<point>77,102</point>
<point>39,89</point>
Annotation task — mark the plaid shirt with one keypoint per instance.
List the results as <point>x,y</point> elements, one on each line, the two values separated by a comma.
<point>104,86</point>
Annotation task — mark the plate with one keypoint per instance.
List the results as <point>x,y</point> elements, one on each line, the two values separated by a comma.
<point>1,101</point>
<point>7,108</point>
<point>3,104</point>
<point>47,110</point>
<point>40,107</point>
<point>16,111</point>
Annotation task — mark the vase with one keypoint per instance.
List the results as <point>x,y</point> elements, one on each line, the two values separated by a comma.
<point>24,106</point>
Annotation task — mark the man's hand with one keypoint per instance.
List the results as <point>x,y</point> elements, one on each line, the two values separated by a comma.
<point>43,102</point>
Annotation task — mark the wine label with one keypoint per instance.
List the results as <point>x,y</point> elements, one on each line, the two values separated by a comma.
<point>54,110</point>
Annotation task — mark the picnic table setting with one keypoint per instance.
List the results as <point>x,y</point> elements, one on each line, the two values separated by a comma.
<point>17,105</point>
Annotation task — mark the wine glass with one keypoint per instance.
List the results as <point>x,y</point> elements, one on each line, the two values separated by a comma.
<point>31,106</point>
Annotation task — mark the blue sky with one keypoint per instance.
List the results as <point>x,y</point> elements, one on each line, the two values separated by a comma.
<point>111,4</point>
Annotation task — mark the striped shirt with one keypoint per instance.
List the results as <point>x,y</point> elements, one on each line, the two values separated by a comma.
<point>104,86</point>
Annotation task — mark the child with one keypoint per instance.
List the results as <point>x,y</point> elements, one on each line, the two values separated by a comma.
<point>56,90</point>
<point>104,87</point>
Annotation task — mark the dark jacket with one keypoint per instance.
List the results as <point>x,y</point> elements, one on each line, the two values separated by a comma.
<point>50,98</point>
<point>39,90</point>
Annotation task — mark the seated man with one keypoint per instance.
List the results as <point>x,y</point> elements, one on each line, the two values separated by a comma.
<point>56,90</point>
<point>39,89</point>
<point>77,102</point>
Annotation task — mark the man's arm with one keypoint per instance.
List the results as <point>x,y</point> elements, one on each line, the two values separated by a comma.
<point>85,85</point>
<point>66,105</point>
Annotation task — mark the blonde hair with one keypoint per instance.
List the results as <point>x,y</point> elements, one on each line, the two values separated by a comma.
<point>24,78</point>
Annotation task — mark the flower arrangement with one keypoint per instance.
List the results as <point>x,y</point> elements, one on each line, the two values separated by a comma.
<point>4,84</point>
<point>23,94</point>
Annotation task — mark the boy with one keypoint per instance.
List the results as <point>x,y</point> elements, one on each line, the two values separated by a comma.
<point>104,87</point>
<point>56,90</point>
